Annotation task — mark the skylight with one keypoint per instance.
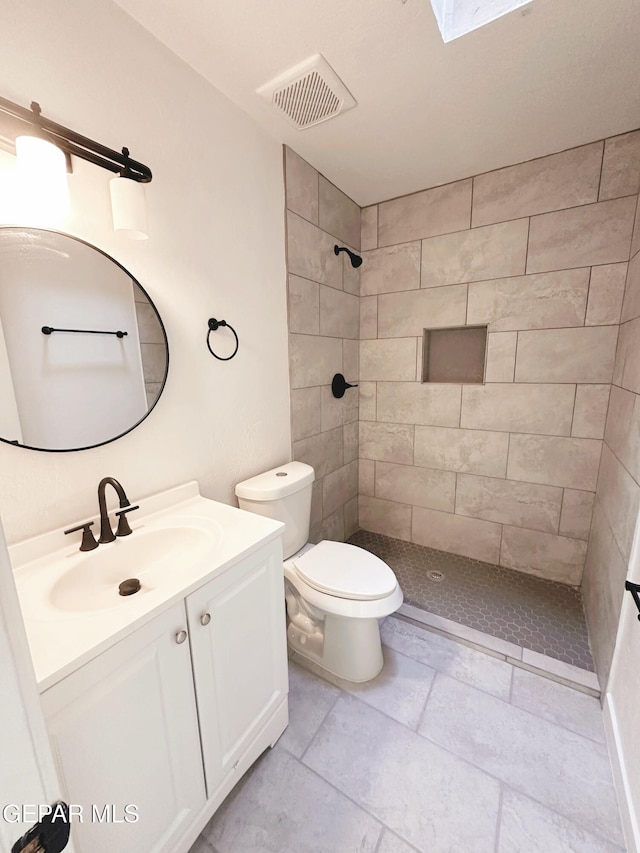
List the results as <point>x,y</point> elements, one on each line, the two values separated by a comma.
<point>458,17</point>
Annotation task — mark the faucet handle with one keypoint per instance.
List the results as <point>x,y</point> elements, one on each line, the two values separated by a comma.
<point>123,524</point>
<point>88,539</point>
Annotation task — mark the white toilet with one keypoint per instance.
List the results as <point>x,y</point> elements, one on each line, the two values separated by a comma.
<point>335,592</point>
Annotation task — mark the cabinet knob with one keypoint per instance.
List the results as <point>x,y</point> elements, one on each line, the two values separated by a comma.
<point>205,619</point>
<point>181,636</point>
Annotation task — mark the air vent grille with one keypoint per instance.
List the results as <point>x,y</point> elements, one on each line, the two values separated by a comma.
<point>309,93</point>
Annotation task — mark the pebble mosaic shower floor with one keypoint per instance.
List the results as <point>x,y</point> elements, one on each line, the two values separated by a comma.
<point>541,615</point>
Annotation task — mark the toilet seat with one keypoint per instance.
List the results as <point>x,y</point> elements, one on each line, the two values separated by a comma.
<point>345,571</point>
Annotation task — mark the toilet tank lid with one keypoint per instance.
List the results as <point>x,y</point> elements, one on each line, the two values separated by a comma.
<point>277,483</point>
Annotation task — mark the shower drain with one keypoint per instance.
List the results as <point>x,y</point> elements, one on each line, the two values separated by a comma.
<point>435,576</point>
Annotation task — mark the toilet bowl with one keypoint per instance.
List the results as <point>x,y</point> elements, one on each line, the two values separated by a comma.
<point>335,592</point>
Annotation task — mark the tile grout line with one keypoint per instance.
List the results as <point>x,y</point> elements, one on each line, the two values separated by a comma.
<point>449,751</point>
<point>499,819</point>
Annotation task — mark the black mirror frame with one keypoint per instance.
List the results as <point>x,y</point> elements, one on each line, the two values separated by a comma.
<point>164,332</point>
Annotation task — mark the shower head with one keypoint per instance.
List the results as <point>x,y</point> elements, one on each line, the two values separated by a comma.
<point>356,260</point>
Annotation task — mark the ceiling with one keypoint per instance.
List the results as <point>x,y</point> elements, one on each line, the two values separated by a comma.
<point>549,76</point>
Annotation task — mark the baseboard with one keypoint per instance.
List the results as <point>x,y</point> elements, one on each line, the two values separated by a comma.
<point>620,778</point>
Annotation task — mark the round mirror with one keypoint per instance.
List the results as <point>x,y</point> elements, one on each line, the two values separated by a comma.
<point>83,352</point>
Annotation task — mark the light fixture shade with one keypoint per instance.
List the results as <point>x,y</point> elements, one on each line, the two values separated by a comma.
<point>42,173</point>
<point>129,208</point>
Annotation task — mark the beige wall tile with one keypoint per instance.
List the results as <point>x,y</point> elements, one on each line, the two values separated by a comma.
<point>333,526</point>
<point>313,360</point>
<point>466,450</point>
<point>509,502</point>
<point>635,240</point>
<point>410,313</point>
<point>575,519</point>
<point>385,517</point>
<point>554,461</point>
<point>631,303</point>
<point>323,451</point>
<point>621,166</point>
<point>338,487</point>
<point>622,433</point>
<point>367,401</point>
<point>418,403</point>
<point>590,412</point>
<point>606,290</point>
<point>602,590</point>
<point>350,510</point>
<point>386,442</point>
<point>425,214</point>
<point>581,236</point>
<point>304,306</point>
<point>154,362</point>
<point>302,186</point>
<point>567,355</point>
<point>369,228</point>
<point>351,361</point>
<point>316,503</point>
<point>619,497</point>
<point>456,534</point>
<point>627,370</point>
<point>149,328</point>
<point>368,317</point>
<point>315,534</point>
<point>548,183</point>
<point>417,486</point>
<point>548,300</point>
<point>543,409</point>
<point>350,276</point>
<point>310,252</point>
<point>337,214</point>
<point>393,359</point>
<point>482,253</point>
<point>391,269</point>
<point>366,477</point>
<point>350,441</point>
<point>339,313</point>
<point>334,412</point>
<point>305,412</point>
<point>501,356</point>
<point>543,554</point>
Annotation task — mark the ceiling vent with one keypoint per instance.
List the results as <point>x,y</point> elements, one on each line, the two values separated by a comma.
<point>309,93</point>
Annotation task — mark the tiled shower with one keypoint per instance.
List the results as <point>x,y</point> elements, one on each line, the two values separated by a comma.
<point>504,472</point>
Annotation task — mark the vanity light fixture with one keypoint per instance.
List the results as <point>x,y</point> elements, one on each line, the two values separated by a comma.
<point>55,144</point>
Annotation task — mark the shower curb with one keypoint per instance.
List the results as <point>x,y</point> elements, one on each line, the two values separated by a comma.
<point>564,673</point>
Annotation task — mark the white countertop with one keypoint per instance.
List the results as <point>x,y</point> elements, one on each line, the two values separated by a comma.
<point>61,640</point>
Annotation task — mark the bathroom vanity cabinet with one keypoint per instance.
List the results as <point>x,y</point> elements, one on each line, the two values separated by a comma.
<point>169,718</point>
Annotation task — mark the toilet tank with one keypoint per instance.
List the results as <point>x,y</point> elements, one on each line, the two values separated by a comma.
<point>283,493</point>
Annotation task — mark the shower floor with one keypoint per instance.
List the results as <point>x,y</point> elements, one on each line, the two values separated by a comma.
<point>541,615</point>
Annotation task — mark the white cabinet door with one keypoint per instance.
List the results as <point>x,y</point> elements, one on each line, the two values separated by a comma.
<point>238,646</point>
<point>124,733</point>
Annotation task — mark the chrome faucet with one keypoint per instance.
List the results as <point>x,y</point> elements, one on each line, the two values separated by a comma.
<point>106,531</point>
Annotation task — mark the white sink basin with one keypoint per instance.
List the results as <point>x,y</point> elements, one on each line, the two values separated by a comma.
<point>70,602</point>
<point>149,555</point>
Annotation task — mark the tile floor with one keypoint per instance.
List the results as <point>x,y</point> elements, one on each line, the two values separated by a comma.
<point>448,749</point>
<point>544,616</point>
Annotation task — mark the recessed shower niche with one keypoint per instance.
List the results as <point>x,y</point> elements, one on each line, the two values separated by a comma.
<point>83,351</point>
<point>455,354</point>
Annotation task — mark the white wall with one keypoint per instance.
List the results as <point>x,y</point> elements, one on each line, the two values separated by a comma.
<point>216,218</point>
<point>622,706</point>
